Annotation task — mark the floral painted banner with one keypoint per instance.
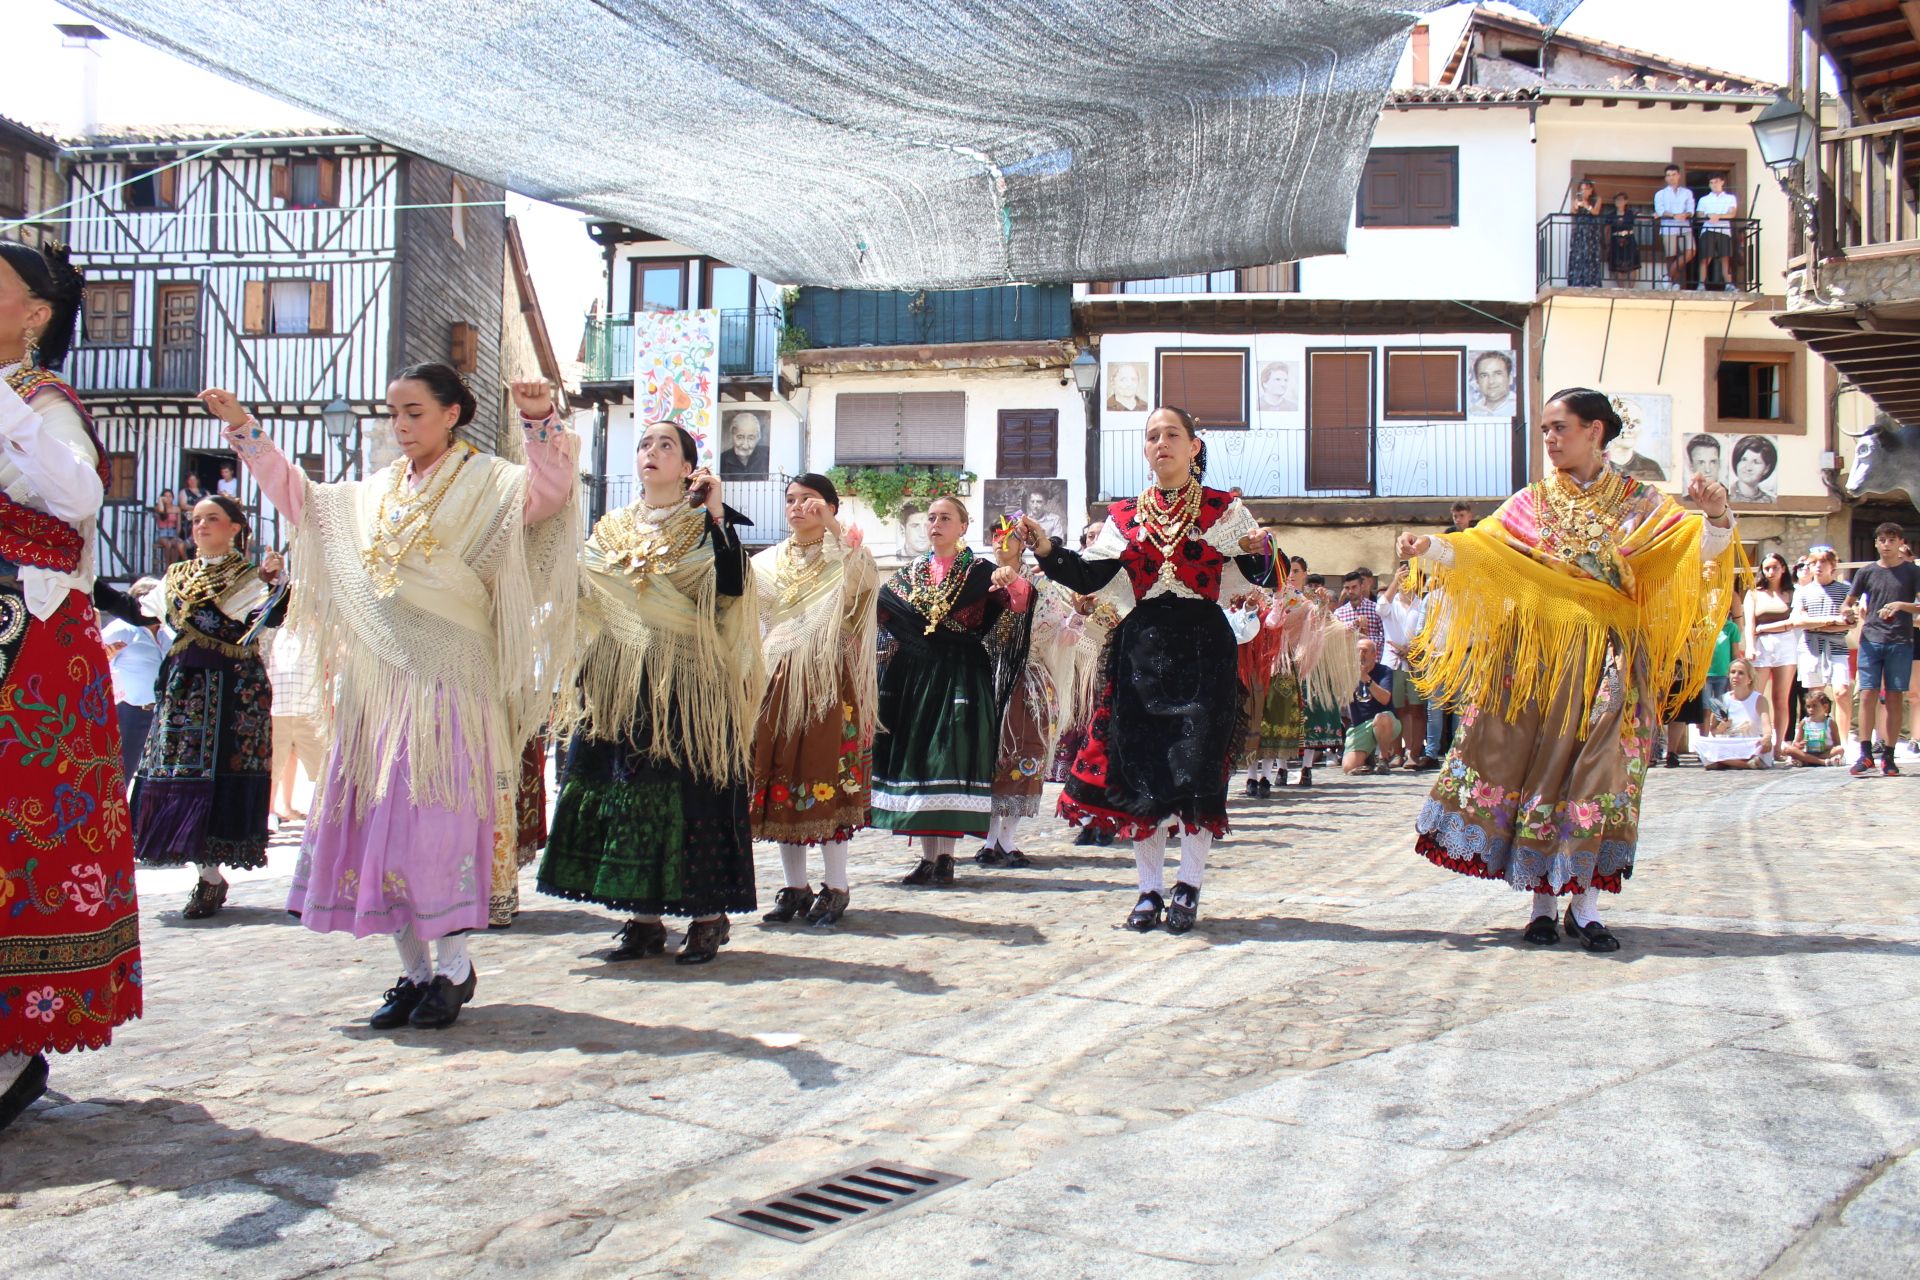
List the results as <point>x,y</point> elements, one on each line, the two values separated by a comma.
<point>677,373</point>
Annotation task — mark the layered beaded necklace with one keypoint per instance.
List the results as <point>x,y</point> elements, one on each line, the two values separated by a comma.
<point>934,601</point>
<point>642,540</point>
<point>203,581</point>
<point>800,564</point>
<point>1575,522</point>
<point>404,521</point>
<point>1166,520</point>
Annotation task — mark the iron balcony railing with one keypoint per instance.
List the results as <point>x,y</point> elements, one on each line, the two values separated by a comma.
<point>1577,251</point>
<point>749,345</point>
<point>1471,459</point>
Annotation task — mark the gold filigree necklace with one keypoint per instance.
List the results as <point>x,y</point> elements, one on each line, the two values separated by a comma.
<point>404,523</point>
<point>800,564</point>
<point>1575,522</point>
<point>198,581</point>
<point>640,548</point>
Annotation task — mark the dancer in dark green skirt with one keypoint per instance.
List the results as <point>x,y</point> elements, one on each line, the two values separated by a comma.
<point>940,701</point>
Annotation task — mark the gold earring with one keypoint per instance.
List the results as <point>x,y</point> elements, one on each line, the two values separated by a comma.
<point>31,357</point>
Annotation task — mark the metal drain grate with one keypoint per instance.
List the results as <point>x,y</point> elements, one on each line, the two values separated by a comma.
<point>815,1209</point>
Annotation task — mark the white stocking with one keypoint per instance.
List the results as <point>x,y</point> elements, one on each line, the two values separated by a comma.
<point>1009,827</point>
<point>414,961</point>
<point>793,862</point>
<point>11,1065</point>
<point>1150,860</point>
<point>451,960</point>
<point>835,852</point>
<point>1193,856</point>
<point>1586,908</point>
<point>211,873</point>
<point>1544,904</point>
<point>934,847</point>
<point>993,833</point>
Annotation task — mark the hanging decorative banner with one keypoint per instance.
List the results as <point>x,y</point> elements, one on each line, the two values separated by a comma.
<point>677,373</point>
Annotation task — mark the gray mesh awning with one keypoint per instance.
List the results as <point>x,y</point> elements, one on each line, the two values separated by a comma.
<point>864,143</point>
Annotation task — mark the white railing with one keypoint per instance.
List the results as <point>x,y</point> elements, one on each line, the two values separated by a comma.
<point>1414,460</point>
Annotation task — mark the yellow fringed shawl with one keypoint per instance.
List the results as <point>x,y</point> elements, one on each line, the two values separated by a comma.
<point>817,620</point>
<point>461,657</point>
<point>665,634</point>
<point>1509,625</point>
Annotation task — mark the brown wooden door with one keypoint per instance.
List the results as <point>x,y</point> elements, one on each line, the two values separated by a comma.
<point>1340,419</point>
<point>177,351</point>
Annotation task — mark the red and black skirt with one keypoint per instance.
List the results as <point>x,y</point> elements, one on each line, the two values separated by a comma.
<point>1169,714</point>
<point>69,922</point>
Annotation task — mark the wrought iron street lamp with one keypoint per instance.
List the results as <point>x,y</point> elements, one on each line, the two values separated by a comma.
<point>341,423</point>
<point>1784,133</point>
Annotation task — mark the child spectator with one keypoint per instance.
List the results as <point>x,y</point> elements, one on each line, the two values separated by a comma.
<point>1815,743</point>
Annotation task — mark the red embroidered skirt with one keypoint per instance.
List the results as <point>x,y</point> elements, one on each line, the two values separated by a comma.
<point>69,923</point>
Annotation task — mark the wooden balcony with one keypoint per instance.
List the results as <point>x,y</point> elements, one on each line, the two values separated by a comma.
<point>749,346</point>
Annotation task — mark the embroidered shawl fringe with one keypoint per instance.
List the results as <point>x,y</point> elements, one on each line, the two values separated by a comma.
<point>1326,659</point>
<point>677,654</point>
<point>407,679</point>
<point>827,635</point>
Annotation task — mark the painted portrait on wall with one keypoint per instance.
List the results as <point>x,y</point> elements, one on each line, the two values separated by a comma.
<point>1127,386</point>
<point>1706,456</point>
<point>1753,466</point>
<point>1044,498</point>
<point>743,445</point>
<point>1278,388</point>
<point>1490,385</point>
<point>1645,442</point>
<point>910,531</point>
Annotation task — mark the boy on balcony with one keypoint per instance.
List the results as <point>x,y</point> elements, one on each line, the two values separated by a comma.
<point>1673,205</point>
<point>1716,237</point>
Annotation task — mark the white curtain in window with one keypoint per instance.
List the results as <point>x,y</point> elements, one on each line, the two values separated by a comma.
<point>288,303</point>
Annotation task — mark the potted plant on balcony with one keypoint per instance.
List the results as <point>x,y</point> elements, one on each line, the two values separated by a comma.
<point>890,495</point>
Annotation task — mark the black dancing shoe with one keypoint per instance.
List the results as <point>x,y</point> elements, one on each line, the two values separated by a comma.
<point>1104,837</point>
<point>943,869</point>
<point>704,940</point>
<point>1280,778</point>
<point>1594,937</point>
<point>1086,837</point>
<point>1183,908</point>
<point>1306,777</point>
<point>1017,859</point>
<point>639,939</point>
<point>1253,789</point>
<point>1542,932</point>
<point>789,903</point>
<point>402,998</point>
<point>204,900</point>
<point>1145,916</point>
<point>444,999</point>
<point>1266,788</point>
<point>828,906</point>
<point>920,876</point>
<point>990,857</point>
<point>27,1086</point>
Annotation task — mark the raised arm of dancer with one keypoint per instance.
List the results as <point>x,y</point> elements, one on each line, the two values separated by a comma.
<point>553,452</point>
<point>284,484</point>
<point>46,442</point>
<point>1082,571</point>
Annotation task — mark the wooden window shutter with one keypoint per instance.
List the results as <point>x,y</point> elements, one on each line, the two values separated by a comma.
<point>1028,443</point>
<point>121,477</point>
<point>282,183</point>
<point>320,307</point>
<point>1425,384</point>
<point>1276,277</point>
<point>253,317</point>
<point>329,181</point>
<point>1339,419</point>
<point>1433,188</point>
<point>166,186</point>
<point>1383,190</point>
<point>1210,385</point>
<point>465,355</point>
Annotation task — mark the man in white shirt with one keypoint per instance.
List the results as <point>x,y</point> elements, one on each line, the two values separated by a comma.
<point>1673,205</point>
<point>1401,615</point>
<point>1716,237</point>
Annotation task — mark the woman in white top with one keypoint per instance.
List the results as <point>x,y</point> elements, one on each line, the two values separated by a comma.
<point>1740,730</point>
<point>1773,638</point>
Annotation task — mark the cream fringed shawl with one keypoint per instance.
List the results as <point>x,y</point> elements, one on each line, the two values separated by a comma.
<point>818,621</point>
<point>461,658</point>
<point>665,661</point>
<point>1326,659</point>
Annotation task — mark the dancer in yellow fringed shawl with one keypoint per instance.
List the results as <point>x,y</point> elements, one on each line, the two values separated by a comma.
<point>813,754</point>
<point>652,818</point>
<point>1566,627</point>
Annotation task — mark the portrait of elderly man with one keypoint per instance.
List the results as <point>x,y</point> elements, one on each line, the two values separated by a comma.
<point>745,435</point>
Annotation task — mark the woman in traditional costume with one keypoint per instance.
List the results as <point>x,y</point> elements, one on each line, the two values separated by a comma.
<point>1041,701</point>
<point>434,594</point>
<point>204,785</point>
<point>69,924</point>
<point>940,705</point>
<point>652,819</point>
<point>813,752</point>
<point>1170,713</point>
<point>1559,627</point>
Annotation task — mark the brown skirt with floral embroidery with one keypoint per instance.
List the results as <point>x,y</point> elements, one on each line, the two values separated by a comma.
<point>810,787</point>
<point>1020,772</point>
<point>1528,802</point>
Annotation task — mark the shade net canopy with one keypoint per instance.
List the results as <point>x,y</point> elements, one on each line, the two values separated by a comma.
<point>863,143</point>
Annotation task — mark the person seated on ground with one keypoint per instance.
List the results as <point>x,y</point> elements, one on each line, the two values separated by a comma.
<point>1740,730</point>
<point>1816,743</point>
<point>1371,726</point>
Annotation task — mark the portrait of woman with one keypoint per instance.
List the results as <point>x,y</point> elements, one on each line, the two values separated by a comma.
<point>1755,459</point>
<point>1127,387</point>
<point>1277,384</point>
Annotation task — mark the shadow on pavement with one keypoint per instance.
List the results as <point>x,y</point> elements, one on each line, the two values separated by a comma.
<point>743,966</point>
<point>870,922</point>
<point>1226,931</point>
<point>228,917</point>
<point>162,1145</point>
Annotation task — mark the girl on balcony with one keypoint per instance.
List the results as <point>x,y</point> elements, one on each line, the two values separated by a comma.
<point>1557,626</point>
<point>1170,711</point>
<point>204,785</point>
<point>940,703</point>
<point>70,939</point>
<point>813,753</point>
<point>652,819</point>
<point>438,591</point>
